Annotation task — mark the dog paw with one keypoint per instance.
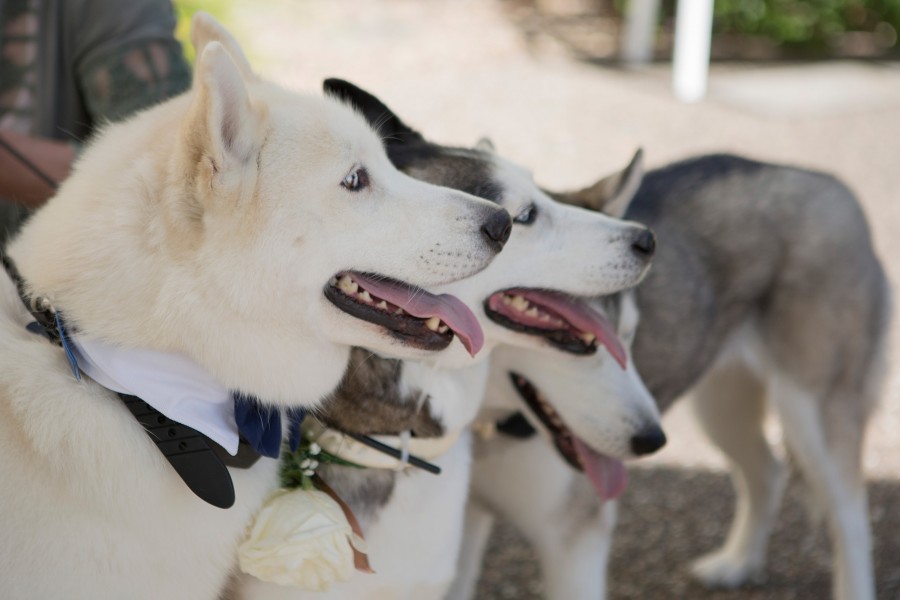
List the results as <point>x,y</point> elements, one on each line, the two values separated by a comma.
<point>721,569</point>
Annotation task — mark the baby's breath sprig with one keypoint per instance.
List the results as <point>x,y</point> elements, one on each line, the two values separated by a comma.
<point>298,468</point>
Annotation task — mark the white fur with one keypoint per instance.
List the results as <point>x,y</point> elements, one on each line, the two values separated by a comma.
<point>208,226</point>
<point>557,511</point>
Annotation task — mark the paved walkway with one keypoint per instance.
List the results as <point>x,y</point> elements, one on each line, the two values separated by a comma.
<point>458,70</point>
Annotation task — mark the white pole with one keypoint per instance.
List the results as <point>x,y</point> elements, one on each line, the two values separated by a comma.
<point>640,30</point>
<point>693,33</point>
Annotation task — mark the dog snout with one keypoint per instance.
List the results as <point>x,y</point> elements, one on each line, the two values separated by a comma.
<point>497,228</point>
<point>648,441</point>
<point>644,244</point>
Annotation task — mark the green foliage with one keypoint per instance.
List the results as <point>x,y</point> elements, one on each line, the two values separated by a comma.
<point>185,9</point>
<point>807,22</point>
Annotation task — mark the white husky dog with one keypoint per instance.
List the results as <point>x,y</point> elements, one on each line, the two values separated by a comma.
<point>556,258</point>
<point>567,511</point>
<point>581,405</point>
<point>204,233</point>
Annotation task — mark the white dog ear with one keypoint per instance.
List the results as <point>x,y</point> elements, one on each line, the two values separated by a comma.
<point>612,194</point>
<point>222,132</point>
<point>205,29</point>
<point>485,145</point>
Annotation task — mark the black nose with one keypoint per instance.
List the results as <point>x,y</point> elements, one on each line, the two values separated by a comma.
<point>648,441</point>
<point>644,244</point>
<point>497,229</point>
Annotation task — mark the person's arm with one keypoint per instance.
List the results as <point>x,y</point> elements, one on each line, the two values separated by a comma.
<point>127,60</point>
<point>17,182</point>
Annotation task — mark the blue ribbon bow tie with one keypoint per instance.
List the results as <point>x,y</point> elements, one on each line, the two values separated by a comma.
<point>260,425</point>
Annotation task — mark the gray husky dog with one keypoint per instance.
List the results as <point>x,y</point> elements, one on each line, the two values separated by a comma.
<point>766,291</point>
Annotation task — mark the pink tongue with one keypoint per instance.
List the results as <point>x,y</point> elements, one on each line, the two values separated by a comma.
<point>423,305</point>
<point>582,317</point>
<point>607,474</point>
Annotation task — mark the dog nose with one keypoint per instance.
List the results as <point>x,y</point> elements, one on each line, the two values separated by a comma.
<point>648,441</point>
<point>644,244</point>
<point>497,229</point>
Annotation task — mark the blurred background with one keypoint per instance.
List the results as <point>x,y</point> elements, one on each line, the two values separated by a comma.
<point>813,83</point>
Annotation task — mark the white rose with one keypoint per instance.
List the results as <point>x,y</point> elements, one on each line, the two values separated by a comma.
<point>300,538</point>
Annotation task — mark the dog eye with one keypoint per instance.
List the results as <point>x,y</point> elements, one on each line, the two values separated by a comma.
<point>527,216</point>
<point>356,180</point>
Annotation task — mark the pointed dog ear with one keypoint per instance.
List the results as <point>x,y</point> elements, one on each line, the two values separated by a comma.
<point>485,145</point>
<point>205,29</point>
<point>380,117</point>
<point>612,194</point>
<point>222,132</point>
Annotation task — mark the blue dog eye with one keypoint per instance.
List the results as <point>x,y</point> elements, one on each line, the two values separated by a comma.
<point>527,216</point>
<point>356,180</point>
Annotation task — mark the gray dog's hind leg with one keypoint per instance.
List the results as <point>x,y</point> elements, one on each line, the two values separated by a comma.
<point>828,456</point>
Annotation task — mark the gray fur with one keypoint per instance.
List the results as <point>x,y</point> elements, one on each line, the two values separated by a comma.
<point>364,490</point>
<point>370,400</point>
<point>741,240</point>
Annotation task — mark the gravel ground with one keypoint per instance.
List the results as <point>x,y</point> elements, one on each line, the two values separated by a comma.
<point>459,70</point>
<point>670,516</point>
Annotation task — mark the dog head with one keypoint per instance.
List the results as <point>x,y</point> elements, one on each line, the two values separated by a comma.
<point>535,294</point>
<point>595,412</point>
<point>258,231</point>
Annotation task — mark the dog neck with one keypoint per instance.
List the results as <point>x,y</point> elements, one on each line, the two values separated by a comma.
<point>386,397</point>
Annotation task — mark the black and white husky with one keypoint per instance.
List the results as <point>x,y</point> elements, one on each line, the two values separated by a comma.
<point>558,257</point>
<point>765,293</point>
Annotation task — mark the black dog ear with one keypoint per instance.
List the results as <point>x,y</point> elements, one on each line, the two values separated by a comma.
<point>380,117</point>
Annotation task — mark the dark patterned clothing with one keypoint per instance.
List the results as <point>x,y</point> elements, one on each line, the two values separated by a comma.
<point>68,66</point>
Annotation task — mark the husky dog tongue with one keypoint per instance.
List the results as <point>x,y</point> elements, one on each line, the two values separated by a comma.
<point>422,319</point>
<point>568,323</point>
<point>607,474</point>
<point>419,303</point>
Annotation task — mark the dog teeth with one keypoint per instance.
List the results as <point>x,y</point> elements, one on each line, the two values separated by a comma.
<point>544,318</point>
<point>507,300</point>
<point>365,297</point>
<point>399,311</point>
<point>588,338</point>
<point>443,329</point>
<point>382,305</point>
<point>531,312</point>
<point>519,303</point>
<point>433,323</point>
<point>346,285</point>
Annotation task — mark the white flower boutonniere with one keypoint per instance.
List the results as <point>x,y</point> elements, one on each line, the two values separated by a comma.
<point>304,535</point>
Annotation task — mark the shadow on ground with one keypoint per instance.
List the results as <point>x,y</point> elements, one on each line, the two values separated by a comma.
<point>670,516</point>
